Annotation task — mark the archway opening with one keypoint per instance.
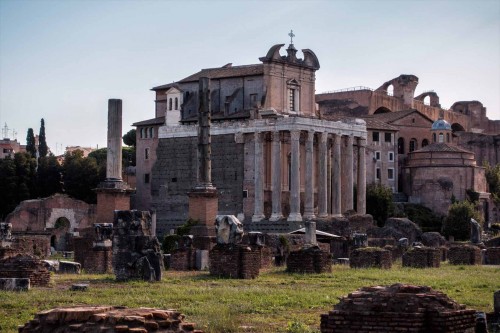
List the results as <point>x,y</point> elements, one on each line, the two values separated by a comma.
<point>456,127</point>
<point>425,142</point>
<point>382,110</point>
<point>401,146</point>
<point>390,90</point>
<point>427,100</point>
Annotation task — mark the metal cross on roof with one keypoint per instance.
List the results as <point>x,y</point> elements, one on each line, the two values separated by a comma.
<point>291,36</point>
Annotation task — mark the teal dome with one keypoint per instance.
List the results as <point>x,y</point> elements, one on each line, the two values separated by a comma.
<point>441,124</point>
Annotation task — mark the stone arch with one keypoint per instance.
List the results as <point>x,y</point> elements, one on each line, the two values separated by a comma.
<point>425,142</point>
<point>456,127</point>
<point>59,233</point>
<point>413,145</point>
<point>382,109</point>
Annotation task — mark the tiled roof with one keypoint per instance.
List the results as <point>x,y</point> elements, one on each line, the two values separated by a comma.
<point>223,72</point>
<point>154,121</point>
<point>390,117</point>
<point>370,122</point>
<point>442,147</point>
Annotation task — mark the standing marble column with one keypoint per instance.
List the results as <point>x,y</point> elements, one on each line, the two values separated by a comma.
<point>258,214</point>
<point>276,214</point>
<point>349,174</point>
<point>309,184</point>
<point>295,215</point>
<point>322,177</point>
<point>361,192</point>
<point>336,169</point>
<point>114,154</point>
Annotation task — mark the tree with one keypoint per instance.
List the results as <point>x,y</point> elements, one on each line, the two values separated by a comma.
<point>457,223</point>
<point>25,176</point>
<point>493,179</point>
<point>80,176</point>
<point>48,176</point>
<point>8,186</point>
<point>30,143</point>
<point>42,142</point>
<point>379,202</point>
<point>129,138</point>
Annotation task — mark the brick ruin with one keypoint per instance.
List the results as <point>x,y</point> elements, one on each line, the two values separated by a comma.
<point>183,259</point>
<point>235,261</point>
<point>398,308</point>
<point>309,260</point>
<point>464,255</point>
<point>136,251</point>
<point>493,256</point>
<point>370,257</point>
<point>25,266</point>
<point>103,319</point>
<point>422,257</point>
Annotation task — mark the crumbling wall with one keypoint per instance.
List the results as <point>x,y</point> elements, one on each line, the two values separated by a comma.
<point>370,257</point>
<point>493,256</point>
<point>422,257</point>
<point>32,244</point>
<point>234,261</point>
<point>464,255</point>
<point>397,308</point>
<point>309,260</point>
<point>25,266</point>
<point>103,319</point>
<point>183,259</point>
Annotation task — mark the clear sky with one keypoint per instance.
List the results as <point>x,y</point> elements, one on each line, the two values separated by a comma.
<point>62,60</point>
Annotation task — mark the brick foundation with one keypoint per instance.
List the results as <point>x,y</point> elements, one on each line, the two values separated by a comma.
<point>370,257</point>
<point>183,259</point>
<point>398,308</point>
<point>493,256</point>
<point>103,319</point>
<point>32,244</point>
<point>99,260</point>
<point>309,260</point>
<point>422,257</point>
<point>464,255</point>
<point>444,253</point>
<point>83,247</point>
<point>23,266</point>
<point>235,261</point>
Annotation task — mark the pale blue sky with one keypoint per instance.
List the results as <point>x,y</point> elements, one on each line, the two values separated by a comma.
<point>61,60</point>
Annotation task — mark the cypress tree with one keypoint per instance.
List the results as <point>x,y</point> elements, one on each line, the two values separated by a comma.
<point>30,143</point>
<point>42,142</point>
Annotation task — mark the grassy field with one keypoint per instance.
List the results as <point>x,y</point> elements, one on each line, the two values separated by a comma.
<point>274,302</point>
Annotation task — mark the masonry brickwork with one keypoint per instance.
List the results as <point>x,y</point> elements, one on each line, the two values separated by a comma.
<point>99,260</point>
<point>24,266</point>
<point>309,260</point>
<point>103,319</point>
<point>464,255</point>
<point>493,256</point>
<point>83,246</point>
<point>398,308</point>
<point>423,257</point>
<point>36,244</point>
<point>183,259</point>
<point>235,261</point>
<point>370,257</point>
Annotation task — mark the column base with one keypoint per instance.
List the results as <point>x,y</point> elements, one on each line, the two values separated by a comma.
<point>275,217</point>
<point>308,216</point>
<point>337,215</point>
<point>322,215</point>
<point>258,218</point>
<point>294,217</point>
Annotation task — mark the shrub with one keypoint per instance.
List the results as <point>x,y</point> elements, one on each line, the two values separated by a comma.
<point>424,217</point>
<point>457,223</point>
<point>379,202</point>
<point>170,243</point>
<point>185,229</point>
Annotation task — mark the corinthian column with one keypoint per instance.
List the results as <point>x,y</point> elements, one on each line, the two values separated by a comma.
<point>349,174</point>
<point>276,177</point>
<point>361,193</point>
<point>337,185</point>
<point>309,191</point>
<point>258,214</point>
<point>295,179</point>
<point>322,178</point>
<point>114,155</point>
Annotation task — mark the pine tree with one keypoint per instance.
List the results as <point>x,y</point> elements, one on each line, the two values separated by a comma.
<point>42,142</point>
<point>30,143</point>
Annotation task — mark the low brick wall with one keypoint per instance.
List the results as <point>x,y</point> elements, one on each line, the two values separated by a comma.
<point>266,256</point>
<point>397,308</point>
<point>183,259</point>
<point>83,248</point>
<point>235,261</point>
<point>309,260</point>
<point>493,256</point>
<point>444,253</point>
<point>32,244</point>
<point>99,260</point>
<point>464,255</point>
<point>101,319</point>
<point>23,266</point>
<point>422,257</point>
<point>396,251</point>
<point>370,257</point>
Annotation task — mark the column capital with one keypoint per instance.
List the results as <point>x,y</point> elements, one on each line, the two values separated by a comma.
<point>337,139</point>
<point>275,136</point>
<point>361,142</point>
<point>258,136</point>
<point>323,137</point>
<point>295,135</point>
<point>310,135</point>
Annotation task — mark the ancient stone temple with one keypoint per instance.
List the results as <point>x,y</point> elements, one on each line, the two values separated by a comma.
<point>275,162</point>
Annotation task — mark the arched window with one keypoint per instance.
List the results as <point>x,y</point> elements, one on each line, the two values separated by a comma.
<point>401,146</point>
<point>151,133</point>
<point>441,138</point>
<point>425,142</point>
<point>170,104</point>
<point>413,145</point>
<point>434,137</point>
<point>176,103</point>
<point>143,133</point>
<point>448,137</point>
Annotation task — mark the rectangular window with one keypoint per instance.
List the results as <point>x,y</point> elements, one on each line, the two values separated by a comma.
<point>146,178</point>
<point>375,136</point>
<point>388,137</point>
<point>377,155</point>
<point>378,174</point>
<point>146,154</point>
<point>292,100</point>
<point>391,156</point>
<point>390,174</point>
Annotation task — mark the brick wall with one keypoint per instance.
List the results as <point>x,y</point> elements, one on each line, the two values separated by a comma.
<point>309,260</point>
<point>23,266</point>
<point>83,246</point>
<point>422,257</point>
<point>464,255</point>
<point>99,260</point>
<point>370,257</point>
<point>493,256</point>
<point>183,259</point>
<point>235,261</point>
<point>32,244</point>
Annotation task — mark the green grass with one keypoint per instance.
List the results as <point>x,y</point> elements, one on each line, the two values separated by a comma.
<point>274,302</point>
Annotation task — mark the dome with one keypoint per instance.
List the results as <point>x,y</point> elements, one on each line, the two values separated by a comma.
<point>441,124</point>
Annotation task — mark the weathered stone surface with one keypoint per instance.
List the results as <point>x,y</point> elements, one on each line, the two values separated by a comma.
<point>79,287</point>
<point>69,267</point>
<point>406,227</point>
<point>433,239</point>
<point>235,261</point>
<point>464,255</point>
<point>398,308</point>
<point>14,284</point>
<point>422,257</point>
<point>229,229</point>
<point>309,260</point>
<point>25,267</point>
<point>370,257</point>
<point>105,319</point>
